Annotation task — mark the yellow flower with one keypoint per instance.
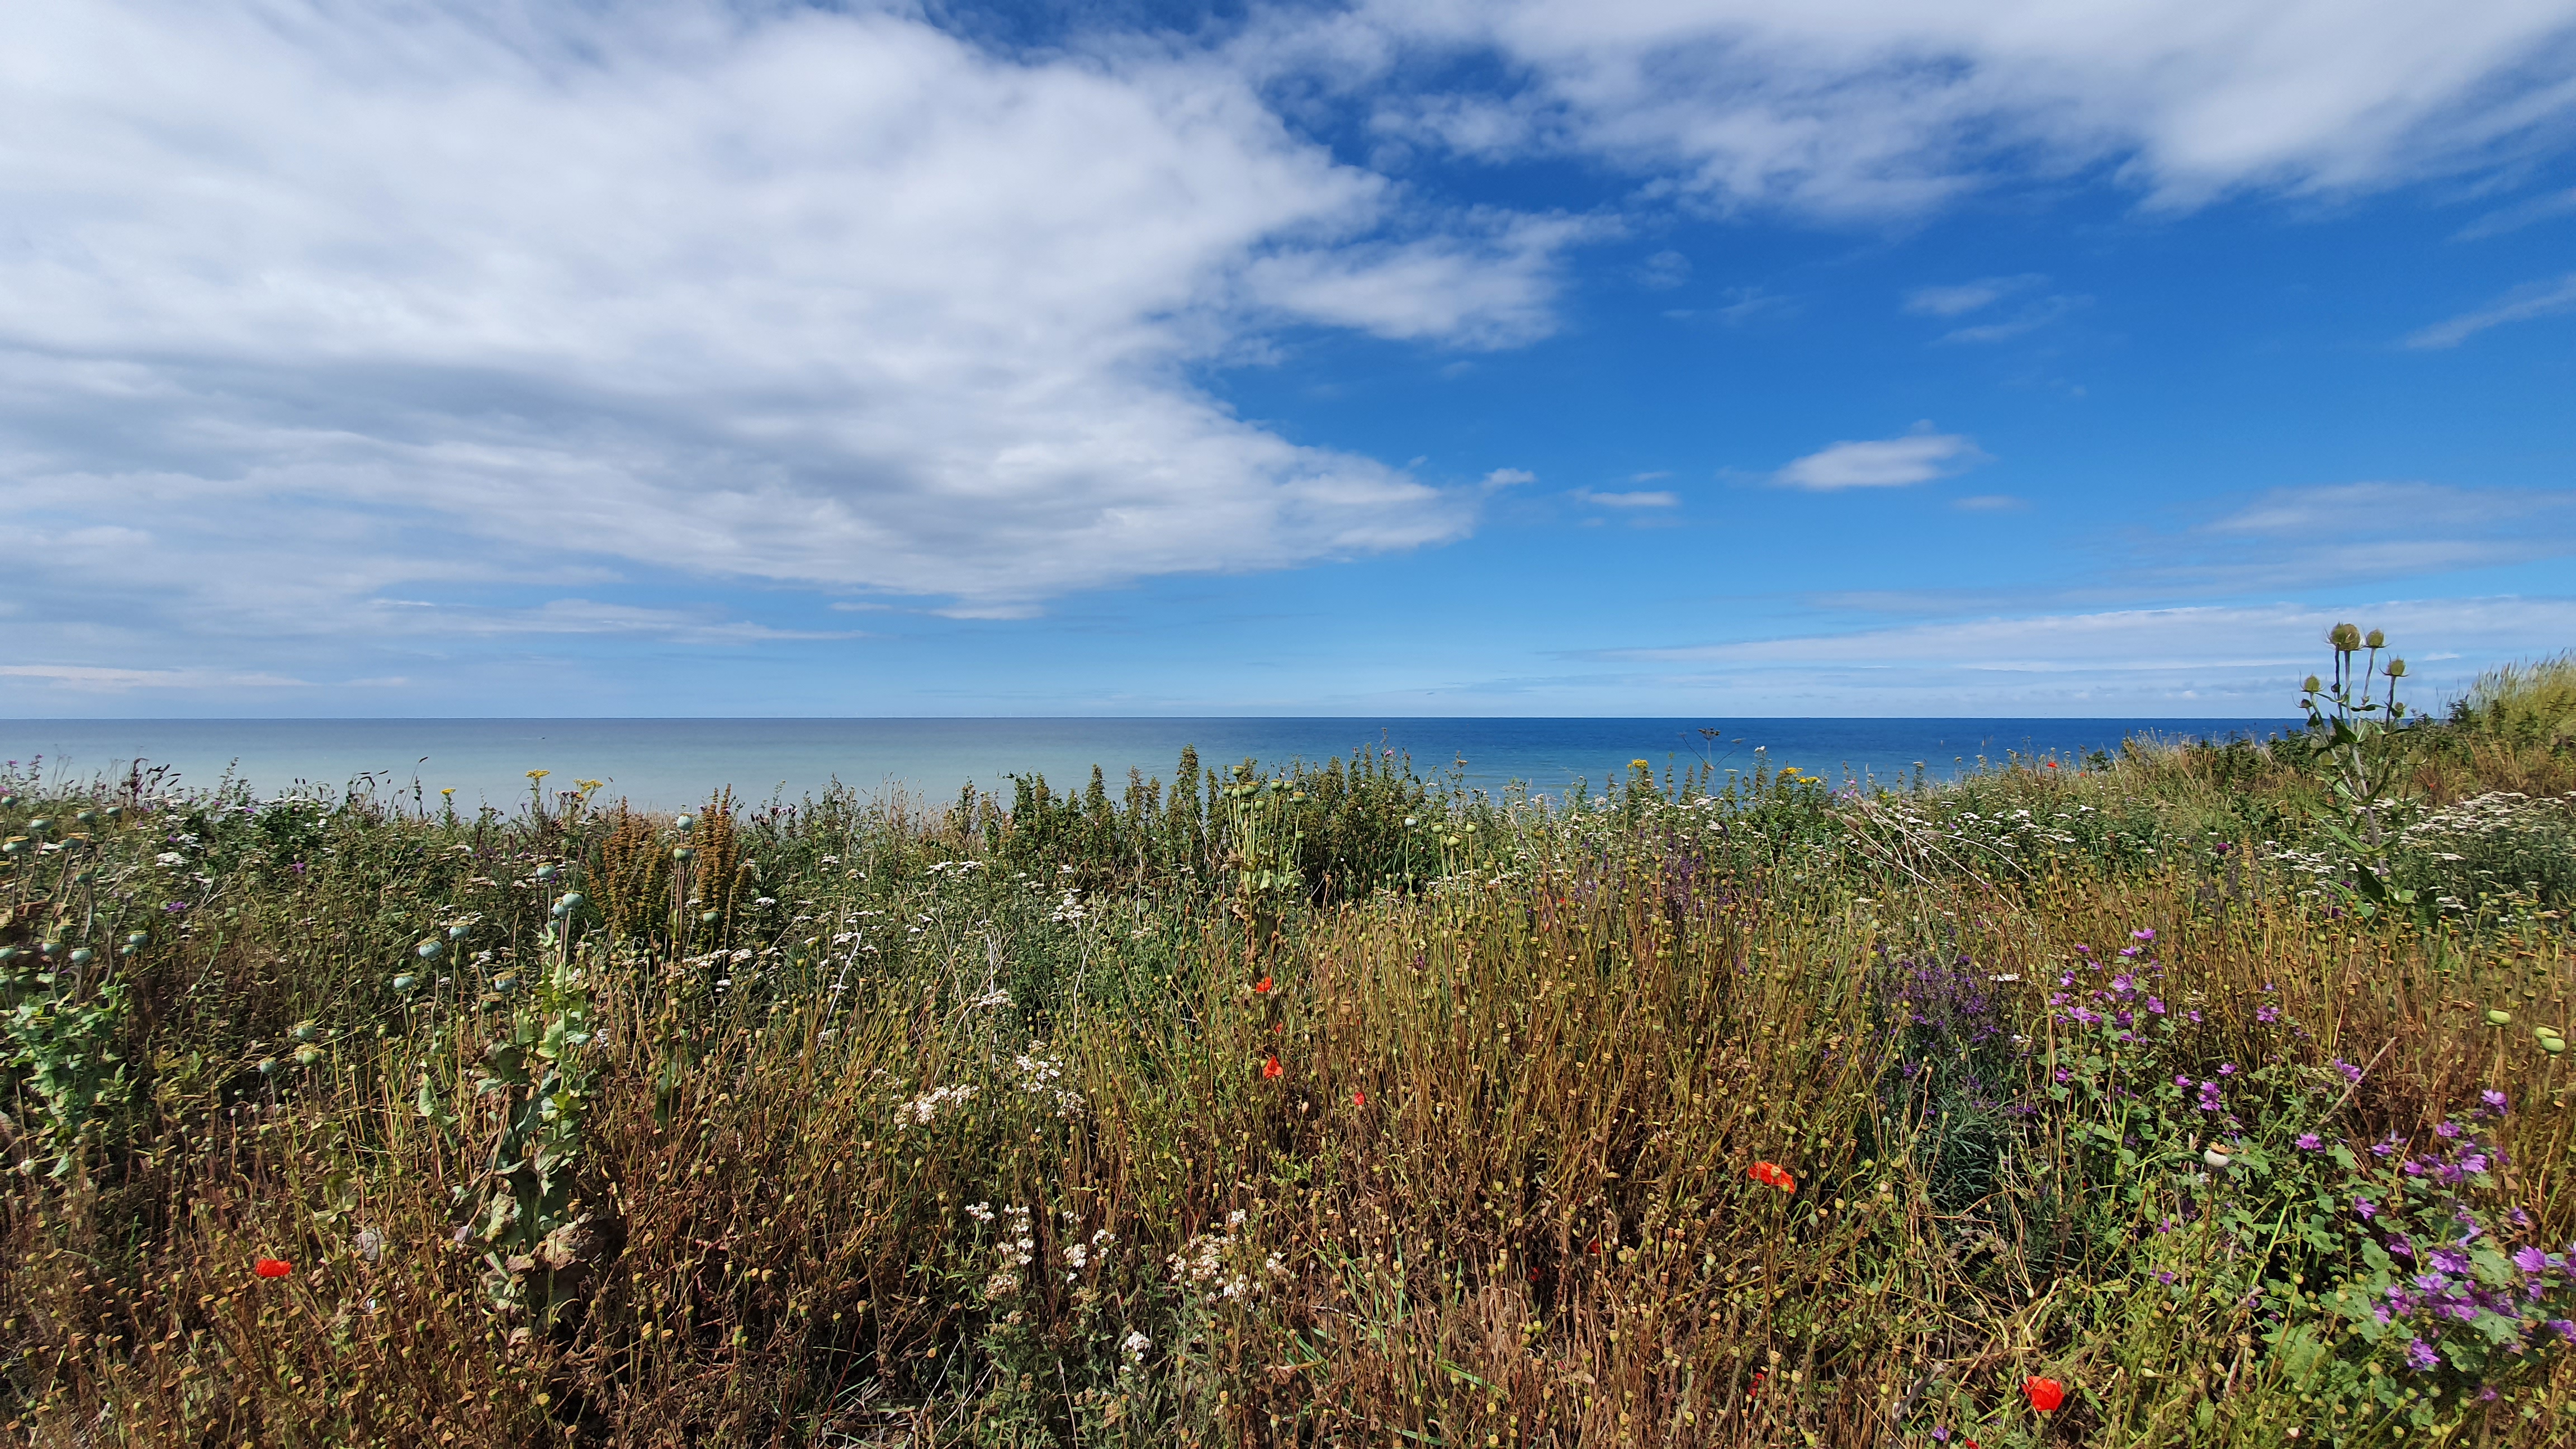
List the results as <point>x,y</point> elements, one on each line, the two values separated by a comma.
<point>1639,765</point>
<point>539,774</point>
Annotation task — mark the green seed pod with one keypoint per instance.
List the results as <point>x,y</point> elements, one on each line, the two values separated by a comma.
<point>87,817</point>
<point>430,950</point>
<point>405,983</point>
<point>304,1031</point>
<point>49,948</point>
<point>547,871</point>
<point>82,956</point>
<point>2344,637</point>
<point>267,1065</point>
<point>84,877</point>
<point>683,823</point>
<point>459,932</point>
<point>682,853</point>
<point>9,954</point>
<point>306,1056</point>
<point>2375,640</point>
<point>505,983</point>
<point>39,825</point>
<point>2397,669</point>
<point>14,845</point>
<point>137,939</point>
<point>710,917</point>
<point>2498,1016</point>
<point>2552,1045</point>
<point>572,900</point>
<point>114,812</point>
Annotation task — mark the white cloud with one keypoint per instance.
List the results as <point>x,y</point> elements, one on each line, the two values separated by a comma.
<point>1658,498</point>
<point>100,679</point>
<point>1991,503</point>
<point>1509,478</point>
<point>313,301</point>
<point>2241,659</point>
<point>1961,298</point>
<point>1866,107</point>
<point>2523,303</point>
<point>1917,457</point>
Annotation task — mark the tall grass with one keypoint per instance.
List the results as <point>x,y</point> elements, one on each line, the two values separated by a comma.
<point>1318,1107</point>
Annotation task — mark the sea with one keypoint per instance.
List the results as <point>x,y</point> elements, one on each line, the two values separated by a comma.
<point>676,763</point>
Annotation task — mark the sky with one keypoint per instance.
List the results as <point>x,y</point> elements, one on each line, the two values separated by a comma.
<point>1391,357</point>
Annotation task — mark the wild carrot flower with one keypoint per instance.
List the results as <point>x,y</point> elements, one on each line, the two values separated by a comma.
<point>2044,1394</point>
<point>1270,1069</point>
<point>272,1267</point>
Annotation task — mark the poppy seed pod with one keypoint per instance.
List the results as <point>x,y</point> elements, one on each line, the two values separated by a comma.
<point>684,823</point>
<point>429,950</point>
<point>546,871</point>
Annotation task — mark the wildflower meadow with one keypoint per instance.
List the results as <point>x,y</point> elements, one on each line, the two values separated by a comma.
<point>2210,1093</point>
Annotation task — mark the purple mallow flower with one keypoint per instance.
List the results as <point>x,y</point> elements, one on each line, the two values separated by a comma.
<point>2362,1206</point>
<point>2530,1259</point>
<point>2421,1354</point>
<point>2310,1142</point>
<point>2350,1072</point>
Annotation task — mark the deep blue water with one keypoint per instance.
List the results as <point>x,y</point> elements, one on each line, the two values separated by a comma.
<point>671,763</point>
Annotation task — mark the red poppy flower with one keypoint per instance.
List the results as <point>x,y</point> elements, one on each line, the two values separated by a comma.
<point>1270,1069</point>
<point>2047,764</point>
<point>1359,1099</point>
<point>1754,1387</point>
<point>272,1267</point>
<point>2044,1394</point>
<point>1773,1174</point>
<point>1261,985</point>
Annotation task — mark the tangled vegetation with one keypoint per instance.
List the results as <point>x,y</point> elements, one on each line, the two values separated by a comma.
<point>2198,1095</point>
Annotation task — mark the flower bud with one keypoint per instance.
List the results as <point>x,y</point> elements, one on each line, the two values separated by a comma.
<point>2397,669</point>
<point>2376,640</point>
<point>2344,637</point>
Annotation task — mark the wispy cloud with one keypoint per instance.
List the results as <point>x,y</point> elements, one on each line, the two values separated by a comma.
<point>1656,499</point>
<point>2523,303</point>
<point>2038,313</point>
<point>101,679</point>
<point>2519,215</point>
<point>1961,298</point>
<point>1917,457</point>
<point>1878,107</point>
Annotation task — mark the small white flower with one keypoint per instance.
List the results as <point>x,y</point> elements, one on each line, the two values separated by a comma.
<point>1134,1346</point>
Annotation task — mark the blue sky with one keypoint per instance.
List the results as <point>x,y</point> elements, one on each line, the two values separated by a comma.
<point>1498,358</point>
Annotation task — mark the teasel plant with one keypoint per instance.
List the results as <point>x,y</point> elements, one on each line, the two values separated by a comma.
<point>2359,722</point>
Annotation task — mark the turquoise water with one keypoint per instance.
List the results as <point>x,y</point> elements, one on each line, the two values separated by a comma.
<point>669,763</point>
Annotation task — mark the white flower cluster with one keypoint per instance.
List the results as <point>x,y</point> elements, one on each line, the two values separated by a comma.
<point>938,867</point>
<point>1042,1076</point>
<point>923,1110</point>
<point>1077,1256</point>
<point>1069,910</point>
<point>1204,1264</point>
